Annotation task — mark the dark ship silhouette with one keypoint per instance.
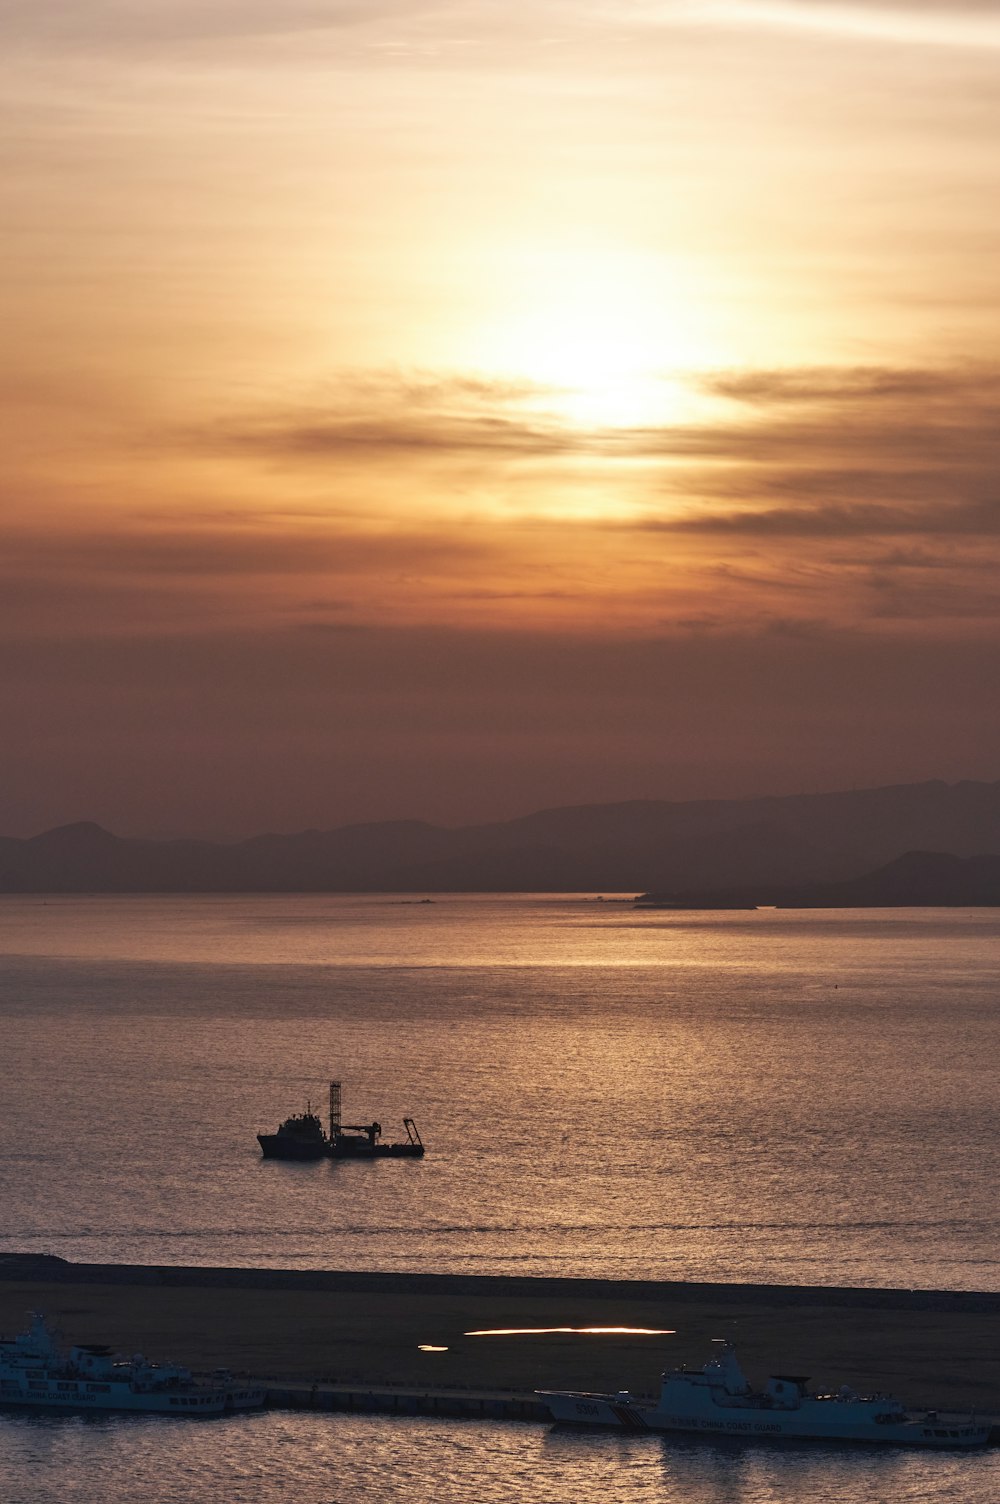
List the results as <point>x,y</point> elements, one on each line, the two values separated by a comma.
<point>303,1137</point>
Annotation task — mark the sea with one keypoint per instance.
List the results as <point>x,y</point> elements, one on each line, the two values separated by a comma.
<point>762,1096</point>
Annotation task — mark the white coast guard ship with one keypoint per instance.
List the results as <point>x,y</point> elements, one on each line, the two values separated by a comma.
<point>717,1400</point>
<point>35,1371</point>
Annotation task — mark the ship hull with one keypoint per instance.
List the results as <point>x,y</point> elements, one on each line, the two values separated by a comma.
<point>376,1151</point>
<point>623,1413</point>
<point>905,1434</point>
<point>605,1410</point>
<point>283,1146</point>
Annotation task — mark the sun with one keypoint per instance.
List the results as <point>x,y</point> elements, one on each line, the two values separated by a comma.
<point>606,336</point>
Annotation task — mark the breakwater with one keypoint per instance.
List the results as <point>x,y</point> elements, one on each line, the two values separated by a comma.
<point>50,1268</point>
<point>351,1333</point>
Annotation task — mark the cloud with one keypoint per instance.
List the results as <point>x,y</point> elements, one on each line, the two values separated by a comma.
<point>828,463</point>
<point>976,520</point>
<point>968,24</point>
<point>324,437</point>
<point>889,427</point>
<point>200,550</point>
<point>416,414</point>
<point>852,384</point>
<point>455,498</point>
<point>190,576</point>
<point>461,31</point>
<point>123,23</point>
<point>909,592</point>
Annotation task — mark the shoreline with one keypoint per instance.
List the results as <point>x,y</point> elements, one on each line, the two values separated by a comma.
<point>350,1327</point>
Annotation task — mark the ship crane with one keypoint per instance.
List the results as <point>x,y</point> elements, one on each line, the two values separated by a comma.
<point>371,1131</point>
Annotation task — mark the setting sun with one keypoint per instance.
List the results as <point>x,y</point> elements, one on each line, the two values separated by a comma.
<point>606,334</point>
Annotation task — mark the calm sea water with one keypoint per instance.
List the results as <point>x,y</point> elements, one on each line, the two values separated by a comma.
<point>289,1459</point>
<point>763,1096</point>
<point>760,1096</point>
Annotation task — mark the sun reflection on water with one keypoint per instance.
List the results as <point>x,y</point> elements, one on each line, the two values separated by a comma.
<point>583,1331</point>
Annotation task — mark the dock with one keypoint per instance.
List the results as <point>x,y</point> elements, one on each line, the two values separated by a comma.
<point>376,1399</point>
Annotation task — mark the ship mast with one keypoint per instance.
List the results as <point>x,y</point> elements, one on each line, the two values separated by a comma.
<point>334,1110</point>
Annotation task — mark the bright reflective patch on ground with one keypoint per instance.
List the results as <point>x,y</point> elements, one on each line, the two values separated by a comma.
<point>585,1331</point>
<point>428,1347</point>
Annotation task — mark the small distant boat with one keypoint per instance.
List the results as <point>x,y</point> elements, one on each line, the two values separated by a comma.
<point>303,1137</point>
<point>35,1371</point>
<point>717,1400</point>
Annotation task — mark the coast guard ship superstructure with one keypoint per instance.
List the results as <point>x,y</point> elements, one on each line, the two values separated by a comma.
<point>717,1400</point>
<point>35,1371</point>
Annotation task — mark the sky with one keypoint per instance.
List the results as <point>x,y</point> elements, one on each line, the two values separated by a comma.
<point>449,410</point>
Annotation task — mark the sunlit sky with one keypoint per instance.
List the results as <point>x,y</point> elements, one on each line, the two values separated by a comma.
<point>444,410</point>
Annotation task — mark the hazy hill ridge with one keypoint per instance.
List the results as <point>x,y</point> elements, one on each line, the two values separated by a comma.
<point>657,845</point>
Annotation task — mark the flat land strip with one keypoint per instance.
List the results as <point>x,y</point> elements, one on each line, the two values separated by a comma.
<point>352,1328</point>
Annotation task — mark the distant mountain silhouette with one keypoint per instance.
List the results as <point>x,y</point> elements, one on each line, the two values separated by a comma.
<point>931,878</point>
<point>759,846</point>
